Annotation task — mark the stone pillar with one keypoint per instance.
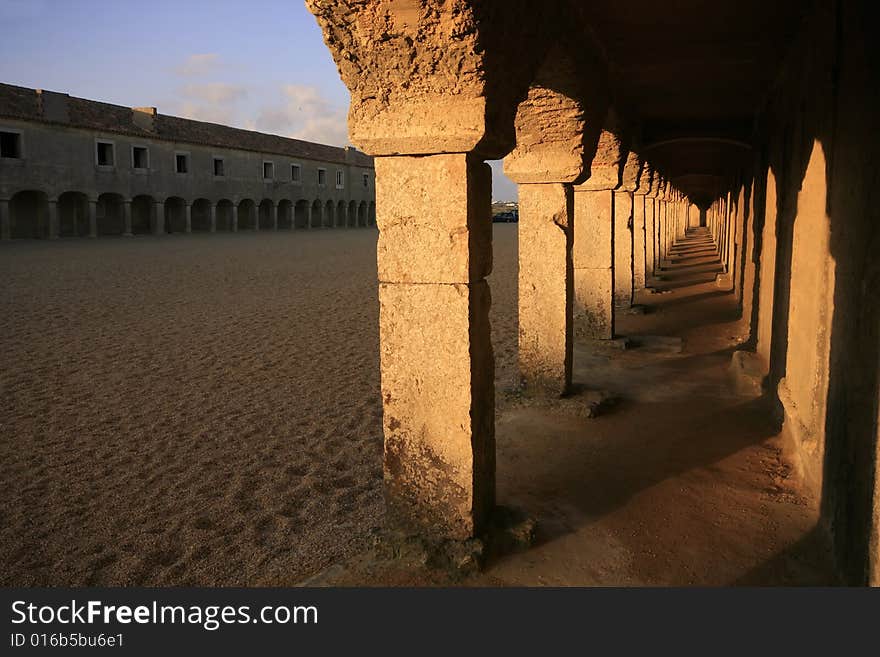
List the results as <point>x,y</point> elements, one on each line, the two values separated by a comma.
<point>235,217</point>
<point>549,157</point>
<point>437,367</point>
<point>53,219</point>
<point>545,286</point>
<point>651,230</point>
<point>213,227</point>
<point>276,221</point>
<point>593,258</point>
<point>93,217</point>
<point>309,216</point>
<point>5,223</point>
<point>188,218</point>
<point>126,218</point>
<point>256,217</point>
<point>159,221</point>
<point>623,231</point>
<point>639,248</point>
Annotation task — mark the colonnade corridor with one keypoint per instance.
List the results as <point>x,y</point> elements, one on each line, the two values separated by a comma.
<point>683,480</point>
<point>658,468</point>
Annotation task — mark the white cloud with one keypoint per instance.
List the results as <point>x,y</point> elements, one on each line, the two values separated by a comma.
<point>215,92</point>
<point>198,64</point>
<point>305,114</point>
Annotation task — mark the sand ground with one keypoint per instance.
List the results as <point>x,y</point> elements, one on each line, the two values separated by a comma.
<point>204,410</point>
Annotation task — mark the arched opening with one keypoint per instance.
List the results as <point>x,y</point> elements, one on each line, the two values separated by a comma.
<point>351,220</point>
<point>73,215</point>
<point>110,214</point>
<point>142,215</point>
<point>301,214</point>
<point>29,215</point>
<point>371,215</point>
<point>201,215</point>
<point>340,214</point>
<point>175,215</point>
<point>247,215</point>
<point>266,214</point>
<point>224,215</point>
<point>362,214</point>
<point>317,214</point>
<point>285,214</point>
<point>328,214</point>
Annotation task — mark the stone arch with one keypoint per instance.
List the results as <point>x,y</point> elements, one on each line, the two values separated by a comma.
<point>110,214</point>
<point>224,215</point>
<point>73,214</point>
<point>352,214</point>
<point>317,213</point>
<point>301,214</point>
<point>362,214</point>
<point>285,214</point>
<point>371,214</point>
<point>142,215</point>
<point>175,215</point>
<point>201,215</point>
<point>340,214</point>
<point>29,215</point>
<point>247,214</point>
<point>328,214</point>
<point>266,214</point>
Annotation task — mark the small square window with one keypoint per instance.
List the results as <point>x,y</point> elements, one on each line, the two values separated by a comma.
<point>105,154</point>
<point>295,173</point>
<point>268,171</point>
<point>140,157</point>
<point>181,163</point>
<point>322,177</point>
<point>340,179</point>
<point>10,144</point>
<point>366,180</point>
<point>219,169</point>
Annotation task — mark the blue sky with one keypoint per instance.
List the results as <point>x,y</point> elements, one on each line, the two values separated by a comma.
<point>259,64</point>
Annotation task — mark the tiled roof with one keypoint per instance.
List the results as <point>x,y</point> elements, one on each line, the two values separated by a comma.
<point>24,103</point>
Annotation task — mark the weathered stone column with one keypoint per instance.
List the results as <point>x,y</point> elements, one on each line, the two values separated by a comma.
<point>159,217</point>
<point>593,259</point>
<point>433,94</point>
<point>188,218</point>
<point>623,231</point>
<point>437,366</point>
<point>126,218</point>
<point>308,216</point>
<point>640,201</point>
<point>273,212</point>
<point>548,158</point>
<point>593,250</point>
<point>93,217</point>
<point>53,219</point>
<point>5,224</point>
<point>234,218</point>
<point>651,228</point>
<point>213,225</point>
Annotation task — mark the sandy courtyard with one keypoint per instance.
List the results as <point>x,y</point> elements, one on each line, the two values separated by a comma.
<point>196,409</point>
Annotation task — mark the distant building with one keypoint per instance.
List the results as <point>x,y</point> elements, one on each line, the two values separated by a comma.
<point>74,167</point>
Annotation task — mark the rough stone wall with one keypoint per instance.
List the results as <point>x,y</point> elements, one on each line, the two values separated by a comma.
<point>818,301</point>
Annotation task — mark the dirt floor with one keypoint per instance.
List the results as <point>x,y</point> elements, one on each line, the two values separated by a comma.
<point>204,410</point>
